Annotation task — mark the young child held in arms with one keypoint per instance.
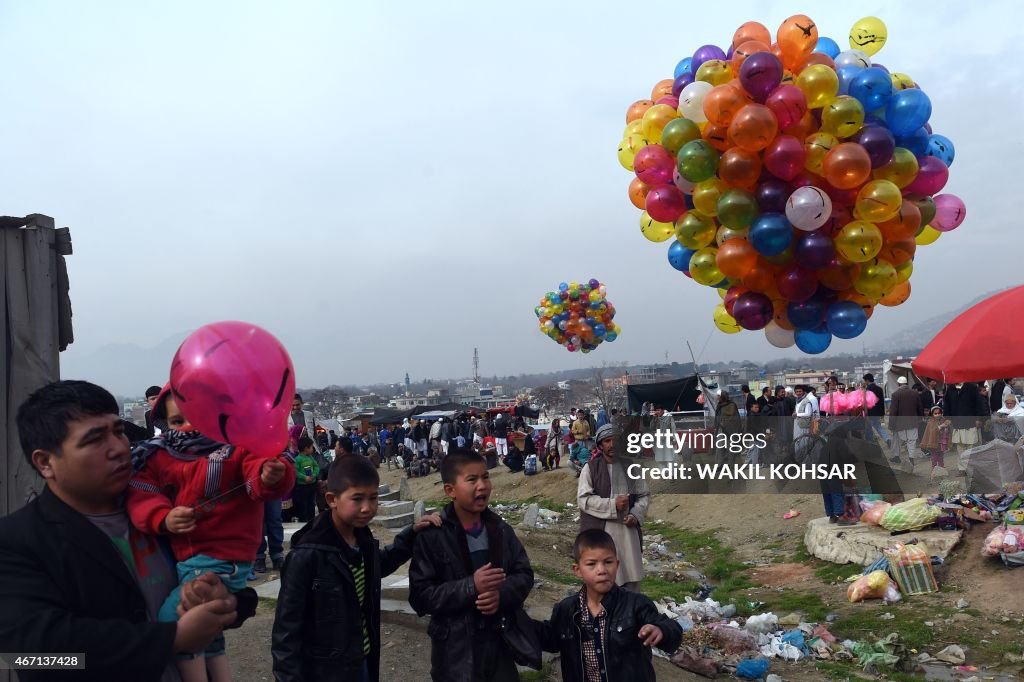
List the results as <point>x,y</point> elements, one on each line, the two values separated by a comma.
<point>472,576</point>
<point>327,625</point>
<point>209,497</point>
<point>604,632</point>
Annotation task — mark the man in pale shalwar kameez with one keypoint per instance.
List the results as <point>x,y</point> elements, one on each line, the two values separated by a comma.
<point>613,502</point>
<point>665,424</point>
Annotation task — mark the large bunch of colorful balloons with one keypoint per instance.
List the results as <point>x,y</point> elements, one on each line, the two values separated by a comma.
<point>578,316</point>
<point>798,180</point>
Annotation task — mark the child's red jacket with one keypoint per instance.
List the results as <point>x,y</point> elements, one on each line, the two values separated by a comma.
<point>228,528</point>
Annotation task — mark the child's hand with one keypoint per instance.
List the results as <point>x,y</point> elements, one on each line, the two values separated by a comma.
<point>488,603</point>
<point>426,522</point>
<point>307,479</point>
<point>651,635</point>
<point>207,587</point>
<point>272,473</point>
<point>486,578</point>
<point>180,520</point>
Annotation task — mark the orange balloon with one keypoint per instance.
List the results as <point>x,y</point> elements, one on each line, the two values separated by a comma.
<point>808,125</point>
<point>863,301</point>
<point>779,305</point>
<point>754,127</point>
<point>724,102</point>
<point>637,109</point>
<point>739,167</point>
<point>751,30</point>
<point>735,258</point>
<point>717,136</point>
<point>898,251</point>
<point>663,88</point>
<point>761,277</point>
<point>815,58</point>
<point>797,37</point>
<point>897,296</point>
<point>847,166</point>
<point>839,276</point>
<point>746,49</point>
<point>906,224</point>
<point>638,190</point>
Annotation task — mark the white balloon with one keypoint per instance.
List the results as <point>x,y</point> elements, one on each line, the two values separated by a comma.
<point>808,208</point>
<point>779,337</point>
<point>852,58</point>
<point>684,185</point>
<point>691,101</point>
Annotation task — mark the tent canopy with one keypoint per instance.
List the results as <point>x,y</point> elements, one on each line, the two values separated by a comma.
<point>981,343</point>
<point>677,395</point>
<point>392,416</point>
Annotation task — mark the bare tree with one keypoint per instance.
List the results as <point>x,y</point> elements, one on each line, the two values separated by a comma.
<point>607,393</point>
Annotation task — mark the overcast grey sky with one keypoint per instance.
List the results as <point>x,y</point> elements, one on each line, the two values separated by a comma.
<point>385,185</point>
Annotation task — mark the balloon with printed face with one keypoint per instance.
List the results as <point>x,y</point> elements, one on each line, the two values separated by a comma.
<point>859,241</point>
<point>816,148</point>
<point>665,203</point>
<point>771,234</point>
<point>677,133</point>
<point>691,101</point>
<point>706,195</point>
<point>750,47</point>
<point>897,296</point>
<point>697,161</point>
<point>878,142</point>
<point>797,38</point>
<point>725,322</point>
<point>842,117</point>
<point>695,230</point>
<point>739,167</point>
<point>655,119</point>
<point>753,127</point>
<point>751,30</point>
<point>941,147</point>
<point>847,166</point>
<point>901,170</point>
<point>950,212</point>
<point>723,102</point>
<point>637,109</point>
<point>819,84</point>
<point>784,157</point>
<point>638,190</point>
<point>868,35</point>
<point>760,74</point>
<point>752,310</point>
<point>872,87</point>
<point>679,256</point>
<point>927,236</point>
<point>653,165</point>
<point>852,58</point>
<point>234,382</point>
<point>789,104</point>
<point>703,54</point>
<point>877,277</point>
<point>808,208</point>
<point>907,111</point>
<point>827,46</point>
<point>654,230</point>
<point>878,201</point>
<point>839,275</point>
<point>735,258</point>
<point>737,209</point>
<point>931,177</point>
<point>703,267</point>
<point>714,71</point>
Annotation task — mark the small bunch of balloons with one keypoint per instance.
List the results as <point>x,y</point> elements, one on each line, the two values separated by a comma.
<point>796,179</point>
<point>578,316</point>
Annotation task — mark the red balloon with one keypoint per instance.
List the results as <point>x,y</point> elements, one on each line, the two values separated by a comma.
<point>665,203</point>
<point>234,382</point>
<point>784,158</point>
<point>789,104</point>
<point>797,284</point>
<point>731,295</point>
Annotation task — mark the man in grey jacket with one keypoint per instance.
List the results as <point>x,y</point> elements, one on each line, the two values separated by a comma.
<point>904,416</point>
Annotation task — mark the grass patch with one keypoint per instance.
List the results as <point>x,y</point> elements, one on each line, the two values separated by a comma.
<point>543,503</point>
<point>825,571</point>
<point>554,575</point>
<point>811,605</point>
<point>774,545</point>
<point>722,568</point>
<point>657,587</point>
<point>864,625</point>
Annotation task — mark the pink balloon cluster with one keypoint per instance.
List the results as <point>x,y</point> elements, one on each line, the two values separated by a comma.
<point>855,402</point>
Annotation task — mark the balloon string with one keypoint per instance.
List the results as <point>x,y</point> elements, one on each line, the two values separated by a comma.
<point>209,502</point>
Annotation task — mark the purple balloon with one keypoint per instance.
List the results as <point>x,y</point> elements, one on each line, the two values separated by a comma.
<point>878,142</point>
<point>760,74</point>
<point>703,54</point>
<point>931,177</point>
<point>797,284</point>
<point>752,310</point>
<point>681,82</point>
<point>814,250</point>
<point>772,194</point>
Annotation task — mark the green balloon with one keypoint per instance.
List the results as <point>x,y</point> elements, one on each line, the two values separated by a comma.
<point>697,161</point>
<point>926,205</point>
<point>737,209</point>
<point>677,133</point>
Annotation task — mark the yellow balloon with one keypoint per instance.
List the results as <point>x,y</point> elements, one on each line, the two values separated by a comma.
<point>726,233</point>
<point>653,230</point>
<point>859,241</point>
<point>656,118</point>
<point>817,145</point>
<point>904,271</point>
<point>819,83</point>
<point>703,267</point>
<point>868,35</point>
<point>721,293</point>
<point>901,171</point>
<point>714,71</point>
<point>706,195</point>
<point>877,278</point>
<point>628,148</point>
<point>929,235</point>
<point>878,201</point>
<point>695,231</point>
<point>725,322</point>
<point>635,127</point>
<point>901,81</point>
<point>843,116</point>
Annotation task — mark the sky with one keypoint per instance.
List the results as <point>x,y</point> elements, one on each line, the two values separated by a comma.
<point>385,186</point>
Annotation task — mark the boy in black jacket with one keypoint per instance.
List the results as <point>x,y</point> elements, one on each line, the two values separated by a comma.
<point>327,625</point>
<point>604,632</point>
<point>472,576</point>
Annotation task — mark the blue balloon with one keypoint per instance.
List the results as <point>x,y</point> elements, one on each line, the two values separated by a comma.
<point>682,67</point>
<point>771,234</point>
<point>679,256</point>
<point>846,319</point>
<point>564,286</point>
<point>907,111</point>
<point>610,336</point>
<point>813,341</point>
<point>600,330</point>
<point>916,142</point>
<point>872,88</point>
<point>846,75</point>
<point>827,46</point>
<point>807,315</point>
<point>941,147</point>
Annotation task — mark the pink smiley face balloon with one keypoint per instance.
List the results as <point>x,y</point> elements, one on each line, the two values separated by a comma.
<point>234,382</point>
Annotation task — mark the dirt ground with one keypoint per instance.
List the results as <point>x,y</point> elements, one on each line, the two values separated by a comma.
<point>753,525</point>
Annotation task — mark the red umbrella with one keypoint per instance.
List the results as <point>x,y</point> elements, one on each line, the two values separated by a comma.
<point>981,343</point>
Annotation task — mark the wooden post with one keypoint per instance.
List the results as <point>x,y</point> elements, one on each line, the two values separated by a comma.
<point>36,312</point>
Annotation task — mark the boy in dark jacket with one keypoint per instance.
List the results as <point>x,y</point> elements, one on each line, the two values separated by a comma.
<point>472,576</point>
<point>327,625</point>
<point>604,632</point>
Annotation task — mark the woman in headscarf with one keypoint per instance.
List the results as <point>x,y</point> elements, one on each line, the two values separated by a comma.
<point>1008,421</point>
